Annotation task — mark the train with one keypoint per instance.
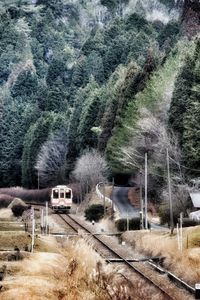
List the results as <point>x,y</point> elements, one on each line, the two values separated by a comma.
<point>61,198</point>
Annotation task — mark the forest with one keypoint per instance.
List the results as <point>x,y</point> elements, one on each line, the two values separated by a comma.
<point>119,77</point>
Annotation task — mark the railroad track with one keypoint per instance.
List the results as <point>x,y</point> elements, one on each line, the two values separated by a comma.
<point>111,255</point>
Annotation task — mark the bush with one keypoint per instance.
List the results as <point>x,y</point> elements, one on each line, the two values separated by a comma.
<point>18,210</point>
<point>164,214</point>
<point>134,224</point>
<point>94,213</point>
<point>5,200</point>
<point>189,222</point>
<point>25,194</point>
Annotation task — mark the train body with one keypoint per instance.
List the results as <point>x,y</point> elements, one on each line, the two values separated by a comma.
<point>61,198</point>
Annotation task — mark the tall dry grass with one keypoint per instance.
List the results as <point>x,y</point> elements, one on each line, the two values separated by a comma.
<point>76,272</point>
<point>185,264</point>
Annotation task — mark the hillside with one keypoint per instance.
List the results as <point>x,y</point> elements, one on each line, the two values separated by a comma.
<point>77,75</point>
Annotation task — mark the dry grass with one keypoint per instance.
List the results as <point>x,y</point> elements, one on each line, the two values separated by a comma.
<point>11,239</point>
<point>6,214</point>
<point>75,272</point>
<point>165,245</point>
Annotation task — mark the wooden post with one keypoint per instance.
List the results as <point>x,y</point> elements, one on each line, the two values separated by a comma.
<point>141,204</point>
<point>42,220</point>
<point>178,237</point>
<point>145,203</point>
<point>170,195</point>
<point>127,222</point>
<point>33,228</point>
<point>187,246</point>
<point>46,219</point>
<point>181,232</point>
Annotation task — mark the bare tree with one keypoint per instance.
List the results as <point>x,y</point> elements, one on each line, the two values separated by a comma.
<point>150,136</point>
<point>90,169</point>
<point>51,161</point>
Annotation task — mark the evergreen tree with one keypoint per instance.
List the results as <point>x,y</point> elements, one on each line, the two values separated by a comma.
<point>15,121</point>
<point>181,96</point>
<point>94,66</point>
<point>34,139</point>
<point>25,85</point>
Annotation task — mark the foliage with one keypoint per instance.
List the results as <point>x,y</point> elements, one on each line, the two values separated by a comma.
<point>133,224</point>
<point>38,134</point>
<point>18,210</point>
<point>184,110</point>
<point>75,66</point>
<point>155,95</point>
<point>15,122</point>
<point>181,203</point>
<point>94,212</point>
<point>5,200</point>
<point>164,214</point>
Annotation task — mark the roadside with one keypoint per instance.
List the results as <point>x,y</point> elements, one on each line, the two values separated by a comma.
<point>185,264</point>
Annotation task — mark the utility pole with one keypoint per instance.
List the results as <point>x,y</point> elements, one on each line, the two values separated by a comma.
<point>104,199</point>
<point>145,200</point>
<point>141,203</point>
<point>38,180</point>
<point>112,209</point>
<point>170,194</point>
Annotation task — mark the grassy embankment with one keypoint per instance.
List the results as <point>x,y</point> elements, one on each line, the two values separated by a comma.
<point>186,264</point>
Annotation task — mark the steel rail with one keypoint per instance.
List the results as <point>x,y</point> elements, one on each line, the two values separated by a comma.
<point>171,276</point>
<point>125,261</point>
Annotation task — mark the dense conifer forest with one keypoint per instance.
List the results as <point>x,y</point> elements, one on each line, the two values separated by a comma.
<point>119,76</point>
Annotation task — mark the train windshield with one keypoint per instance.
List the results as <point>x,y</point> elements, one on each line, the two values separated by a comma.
<point>62,194</point>
<point>55,194</point>
<point>68,194</point>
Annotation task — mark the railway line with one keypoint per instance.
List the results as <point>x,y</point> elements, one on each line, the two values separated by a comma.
<point>146,270</point>
<point>169,286</point>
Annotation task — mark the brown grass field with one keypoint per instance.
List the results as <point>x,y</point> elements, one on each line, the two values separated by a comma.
<point>185,264</point>
<point>73,272</point>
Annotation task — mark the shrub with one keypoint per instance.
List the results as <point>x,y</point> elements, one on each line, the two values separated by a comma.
<point>94,212</point>
<point>134,224</point>
<point>18,210</point>
<point>164,214</point>
<point>18,207</point>
<point>5,200</point>
<point>27,195</point>
<point>189,222</point>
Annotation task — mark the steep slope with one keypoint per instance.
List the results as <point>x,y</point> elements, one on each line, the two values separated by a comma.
<point>69,70</point>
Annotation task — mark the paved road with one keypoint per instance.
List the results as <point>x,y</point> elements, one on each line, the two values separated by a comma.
<point>120,199</point>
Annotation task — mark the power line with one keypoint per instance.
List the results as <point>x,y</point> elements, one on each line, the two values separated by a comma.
<point>184,167</point>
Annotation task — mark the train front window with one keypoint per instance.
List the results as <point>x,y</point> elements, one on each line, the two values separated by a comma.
<point>68,194</point>
<point>62,195</point>
<point>55,194</point>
